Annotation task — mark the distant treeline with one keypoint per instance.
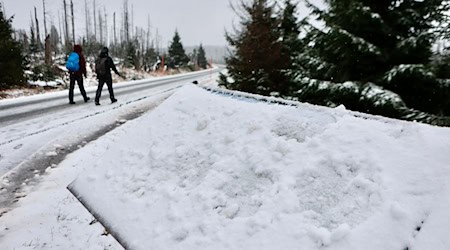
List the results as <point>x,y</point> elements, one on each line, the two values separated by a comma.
<point>38,50</point>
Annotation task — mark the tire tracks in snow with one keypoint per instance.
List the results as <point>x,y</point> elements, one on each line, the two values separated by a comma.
<point>28,173</point>
<point>80,118</point>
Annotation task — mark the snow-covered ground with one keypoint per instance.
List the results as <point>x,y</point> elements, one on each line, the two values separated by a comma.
<point>208,171</point>
<point>43,214</point>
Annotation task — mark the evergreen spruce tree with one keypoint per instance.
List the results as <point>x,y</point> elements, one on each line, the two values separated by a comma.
<point>193,56</point>
<point>177,53</point>
<point>130,56</point>
<point>292,45</point>
<point>150,58</point>
<point>201,58</point>
<point>256,64</point>
<point>290,30</point>
<point>11,59</point>
<point>388,43</point>
<point>133,54</point>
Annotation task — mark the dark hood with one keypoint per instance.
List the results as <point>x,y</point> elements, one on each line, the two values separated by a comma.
<point>77,48</point>
<point>104,52</point>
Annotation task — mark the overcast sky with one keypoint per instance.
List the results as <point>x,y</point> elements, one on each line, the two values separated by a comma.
<point>197,21</point>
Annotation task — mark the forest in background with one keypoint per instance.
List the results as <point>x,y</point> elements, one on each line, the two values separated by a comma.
<point>39,54</point>
<point>385,57</point>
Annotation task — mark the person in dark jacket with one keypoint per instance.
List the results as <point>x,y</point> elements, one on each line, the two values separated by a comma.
<point>103,66</point>
<point>78,76</point>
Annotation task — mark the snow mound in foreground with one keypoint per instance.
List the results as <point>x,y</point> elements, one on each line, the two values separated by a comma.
<point>204,171</point>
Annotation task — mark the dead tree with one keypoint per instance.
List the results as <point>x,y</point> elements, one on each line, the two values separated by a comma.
<point>38,36</point>
<point>73,22</point>
<point>86,16</point>
<point>115,37</point>
<point>59,26</point>
<point>48,50</point>
<point>66,33</point>
<point>147,42</point>
<point>95,23</point>
<point>45,19</point>
<point>126,23</point>
<point>33,41</point>
<point>100,26</point>
<point>106,27</point>
<point>132,19</point>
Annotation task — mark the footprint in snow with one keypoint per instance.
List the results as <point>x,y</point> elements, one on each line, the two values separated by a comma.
<point>18,146</point>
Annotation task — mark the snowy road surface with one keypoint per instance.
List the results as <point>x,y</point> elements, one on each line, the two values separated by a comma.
<point>38,132</point>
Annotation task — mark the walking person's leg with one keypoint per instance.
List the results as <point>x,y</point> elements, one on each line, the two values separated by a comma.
<point>71,87</point>
<point>111,91</point>
<point>82,90</point>
<point>101,82</point>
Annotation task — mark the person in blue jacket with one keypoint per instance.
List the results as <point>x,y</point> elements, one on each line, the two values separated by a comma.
<point>77,76</point>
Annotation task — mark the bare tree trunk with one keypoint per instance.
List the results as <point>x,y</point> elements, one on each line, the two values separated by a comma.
<point>122,29</point>
<point>32,35</point>
<point>86,16</point>
<point>33,29</point>
<point>95,23</point>
<point>59,26</point>
<point>100,26</point>
<point>48,51</point>
<point>114,20</point>
<point>38,36</point>
<point>73,22</point>
<point>32,26</point>
<point>147,40</point>
<point>45,19</point>
<point>106,27</point>
<point>132,21</point>
<point>63,34</point>
<point>126,22</point>
<point>66,33</point>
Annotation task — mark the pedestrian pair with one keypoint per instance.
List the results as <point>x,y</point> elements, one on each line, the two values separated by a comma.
<point>76,64</point>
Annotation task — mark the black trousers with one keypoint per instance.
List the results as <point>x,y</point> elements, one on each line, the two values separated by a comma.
<point>101,82</point>
<point>79,80</point>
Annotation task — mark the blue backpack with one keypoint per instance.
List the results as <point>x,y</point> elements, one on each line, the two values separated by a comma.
<point>73,63</point>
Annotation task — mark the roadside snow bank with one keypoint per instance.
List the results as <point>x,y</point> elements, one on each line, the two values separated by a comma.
<point>204,171</point>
